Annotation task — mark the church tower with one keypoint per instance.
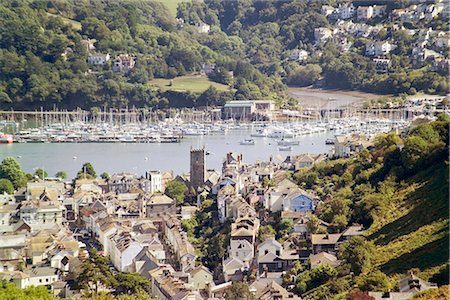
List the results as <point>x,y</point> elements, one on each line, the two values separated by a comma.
<point>197,168</point>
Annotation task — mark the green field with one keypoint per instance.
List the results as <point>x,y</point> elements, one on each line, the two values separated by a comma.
<point>75,24</point>
<point>190,83</point>
<point>172,5</point>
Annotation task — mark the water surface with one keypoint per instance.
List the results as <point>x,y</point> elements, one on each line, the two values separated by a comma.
<point>138,158</point>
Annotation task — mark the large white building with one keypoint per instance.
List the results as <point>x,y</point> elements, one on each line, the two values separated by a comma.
<point>99,59</point>
<point>155,181</point>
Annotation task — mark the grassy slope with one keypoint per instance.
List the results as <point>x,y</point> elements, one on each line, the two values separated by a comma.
<point>414,231</point>
<point>75,24</point>
<point>172,5</point>
<point>187,83</point>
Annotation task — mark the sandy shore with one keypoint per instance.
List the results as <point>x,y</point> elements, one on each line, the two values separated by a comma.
<point>320,98</point>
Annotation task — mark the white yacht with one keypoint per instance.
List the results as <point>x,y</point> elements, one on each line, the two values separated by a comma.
<point>248,142</point>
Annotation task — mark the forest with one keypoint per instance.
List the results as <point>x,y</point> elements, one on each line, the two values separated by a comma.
<point>44,61</point>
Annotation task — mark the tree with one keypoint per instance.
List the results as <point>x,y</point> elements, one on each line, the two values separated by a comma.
<point>11,291</point>
<point>414,151</point>
<point>104,176</point>
<point>265,231</point>
<point>314,226</point>
<point>176,190</point>
<point>96,272</point>
<point>6,186</point>
<point>239,290</point>
<point>87,171</point>
<point>357,253</point>
<point>40,173</point>
<point>11,170</point>
<point>284,228</point>
<point>131,283</point>
<point>375,281</point>
<point>305,75</point>
<point>61,175</point>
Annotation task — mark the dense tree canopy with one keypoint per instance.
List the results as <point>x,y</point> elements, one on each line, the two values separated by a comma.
<point>11,170</point>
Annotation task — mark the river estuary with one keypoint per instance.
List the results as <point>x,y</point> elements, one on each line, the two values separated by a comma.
<point>138,158</point>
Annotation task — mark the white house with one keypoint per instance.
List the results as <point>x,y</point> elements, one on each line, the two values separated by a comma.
<point>347,11</point>
<point>364,13</point>
<point>122,250</point>
<point>379,48</point>
<point>61,260</point>
<point>203,28</point>
<point>98,59</point>
<point>242,250</point>
<point>270,245</point>
<point>321,34</point>
<point>36,276</point>
<point>298,55</point>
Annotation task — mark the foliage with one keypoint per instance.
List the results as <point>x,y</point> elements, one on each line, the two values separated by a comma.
<point>95,273</point>
<point>375,281</point>
<point>397,192</point>
<point>11,170</point>
<point>9,291</point>
<point>313,278</point>
<point>6,186</point>
<point>176,190</point>
<point>87,171</point>
<point>104,175</point>
<point>357,252</point>
<point>434,294</point>
<point>239,290</point>
<point>61,175</point>
<point>304,75</point>
<point>265,231</point>
<point>40,173</point>
<point>131,283</point>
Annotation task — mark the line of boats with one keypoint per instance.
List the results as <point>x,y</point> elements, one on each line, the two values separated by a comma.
<point>173,132</point>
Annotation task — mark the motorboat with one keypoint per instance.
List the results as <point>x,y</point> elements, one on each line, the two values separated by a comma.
<point>285,148</point>
<point>285,142</point>
<point>248,142</point>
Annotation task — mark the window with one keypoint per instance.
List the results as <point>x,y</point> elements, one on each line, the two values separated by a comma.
<point>40,280</point>
<point>266,251</point>
<point>277,252</point>
<point>46,279</point>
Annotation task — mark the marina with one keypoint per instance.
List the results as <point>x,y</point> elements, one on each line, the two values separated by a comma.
<point>141,147</point>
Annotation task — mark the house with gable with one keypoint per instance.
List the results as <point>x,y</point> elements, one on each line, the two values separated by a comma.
<point>273,258</point>
<point>123,248</point>
<point>242,250</point>
<point>201,278</point>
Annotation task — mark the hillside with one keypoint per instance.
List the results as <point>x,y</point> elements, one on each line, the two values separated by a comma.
<point>399,192</point>
<point>63,53</point>
<point>413,233</point>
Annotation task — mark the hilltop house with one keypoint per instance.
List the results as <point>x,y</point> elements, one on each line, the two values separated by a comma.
<point>98,59</point>
<point>325,242</point>
<point>379,48</point>
<point>123,63</point>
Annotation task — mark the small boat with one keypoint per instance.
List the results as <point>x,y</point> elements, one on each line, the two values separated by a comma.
<point>329,142</point>
<point>285,148</point>
<point>285,142</point>
<point>260,133</point>
<point>6,138</point>
<point>248,142</point>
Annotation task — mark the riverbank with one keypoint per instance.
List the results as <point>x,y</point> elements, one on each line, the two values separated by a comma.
<point>322,98</point>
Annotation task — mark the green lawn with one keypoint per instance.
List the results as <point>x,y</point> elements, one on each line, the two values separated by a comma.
<point>193,83</point>
<point>172,5</point>
<point>75,24</point>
